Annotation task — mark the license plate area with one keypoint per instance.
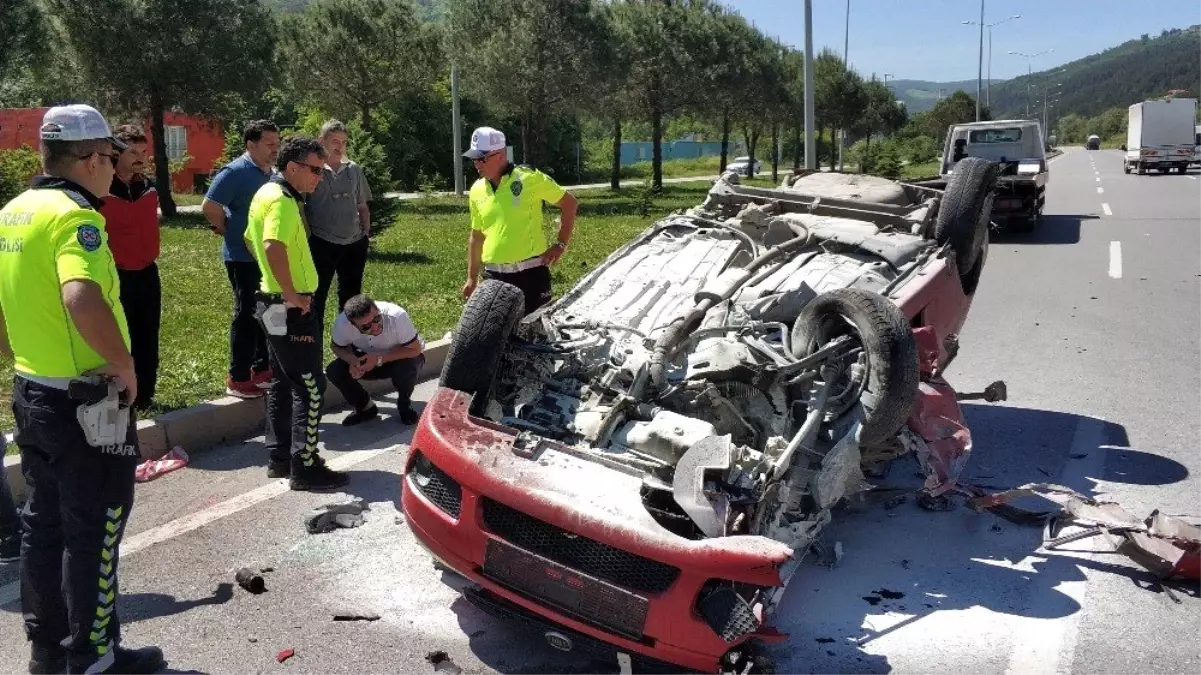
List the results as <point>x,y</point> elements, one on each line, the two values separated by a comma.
<point>569,591</point>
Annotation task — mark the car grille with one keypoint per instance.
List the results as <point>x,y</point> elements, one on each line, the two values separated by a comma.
<point>436,485</point>
<point>577,552</point>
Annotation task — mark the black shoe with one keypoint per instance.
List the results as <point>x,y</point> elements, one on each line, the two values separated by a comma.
<point>136,661</point>
<point>279,468</point>
<point>44,659</point>
<point>360,416</point>
<point>408,416</point>
<point>316,477</point>
<point>10,548</point>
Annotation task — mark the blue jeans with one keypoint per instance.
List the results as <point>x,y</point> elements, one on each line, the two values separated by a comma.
<point>10,521</point>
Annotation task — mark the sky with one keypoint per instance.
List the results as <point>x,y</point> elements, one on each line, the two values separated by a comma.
<point>925,39</point>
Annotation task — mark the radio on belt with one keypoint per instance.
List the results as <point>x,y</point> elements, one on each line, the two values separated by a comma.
<point>104,419</point>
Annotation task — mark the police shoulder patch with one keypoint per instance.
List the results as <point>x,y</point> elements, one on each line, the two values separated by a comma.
<point>89,237</point>
<point>516,187</point>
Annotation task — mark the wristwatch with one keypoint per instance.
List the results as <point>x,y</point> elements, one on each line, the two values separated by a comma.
<point>560,244</point>
<point>379,361</point>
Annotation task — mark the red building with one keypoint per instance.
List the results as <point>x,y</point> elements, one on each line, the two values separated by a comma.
<point>200,138</point>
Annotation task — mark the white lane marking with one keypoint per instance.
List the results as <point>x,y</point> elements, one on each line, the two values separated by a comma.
<point>1049,645</point>
<point>1105,208</point>
<point>1100,190</point>
<point>1098,178</point>
<point>1191,177</point>
<point>1115,259</point>
<point>194,521</point>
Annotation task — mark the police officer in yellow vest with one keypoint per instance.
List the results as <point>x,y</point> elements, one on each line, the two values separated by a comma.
<point>276,237</point>
<point>506,221</point>
<point>65,329</point>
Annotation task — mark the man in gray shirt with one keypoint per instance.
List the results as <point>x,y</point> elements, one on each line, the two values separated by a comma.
<point>339,221</point>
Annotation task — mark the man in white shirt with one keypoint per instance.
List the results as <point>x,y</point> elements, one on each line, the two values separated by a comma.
<point>372,341</point>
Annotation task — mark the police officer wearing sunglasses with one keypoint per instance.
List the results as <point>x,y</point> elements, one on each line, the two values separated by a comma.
<point>276,237</point>
<point>506,240</point>
<point>74,379</point>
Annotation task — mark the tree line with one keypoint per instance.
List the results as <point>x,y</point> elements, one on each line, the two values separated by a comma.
<point>556,75</point>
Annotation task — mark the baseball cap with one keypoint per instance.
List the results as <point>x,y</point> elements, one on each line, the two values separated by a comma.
<point>485,140</point>
<point>77,122</point>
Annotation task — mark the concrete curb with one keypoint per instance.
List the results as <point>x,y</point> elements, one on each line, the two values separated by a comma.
<point>226,419</point>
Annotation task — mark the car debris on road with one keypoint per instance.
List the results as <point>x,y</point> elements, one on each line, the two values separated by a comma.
<point>1167,546</point>
<point>337,515</point>
<point>645,462</point>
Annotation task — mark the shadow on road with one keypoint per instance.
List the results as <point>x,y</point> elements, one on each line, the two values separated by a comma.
<point>142,606</point>
<point>1054,229</point>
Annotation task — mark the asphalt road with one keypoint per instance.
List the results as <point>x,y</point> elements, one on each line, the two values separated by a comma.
<point>1097,341</point>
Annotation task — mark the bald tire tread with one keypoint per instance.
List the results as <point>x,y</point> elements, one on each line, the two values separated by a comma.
<point>490,317</point>
<point>966,208</point>
<point>891,348</point>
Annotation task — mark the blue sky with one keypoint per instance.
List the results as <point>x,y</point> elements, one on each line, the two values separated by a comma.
<point>924,39</point>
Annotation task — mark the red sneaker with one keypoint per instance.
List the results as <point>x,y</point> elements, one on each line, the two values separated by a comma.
<point>262,379</point>
<point>242,388</point>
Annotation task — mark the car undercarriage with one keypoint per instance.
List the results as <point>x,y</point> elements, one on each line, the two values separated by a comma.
<point>713,388</point>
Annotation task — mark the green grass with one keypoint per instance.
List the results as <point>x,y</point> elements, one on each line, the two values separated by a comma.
<point>187,199</point>
<point>418,261</point>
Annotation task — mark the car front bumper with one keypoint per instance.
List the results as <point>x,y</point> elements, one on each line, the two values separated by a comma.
<point>567,540</point>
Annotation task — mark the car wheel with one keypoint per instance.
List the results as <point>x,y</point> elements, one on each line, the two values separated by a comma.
<point>966,209</point>
<point>491,315</point>
<point>883,378</point>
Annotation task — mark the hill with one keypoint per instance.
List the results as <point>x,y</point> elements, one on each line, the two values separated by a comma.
<point>1133,71</point>
<point>921,95</point>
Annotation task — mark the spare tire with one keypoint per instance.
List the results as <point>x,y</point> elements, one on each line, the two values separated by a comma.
<point>887,389</point>
<point>966,208</point>
<point>491,315</point>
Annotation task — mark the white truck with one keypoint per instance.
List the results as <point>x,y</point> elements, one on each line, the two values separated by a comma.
<point>1161,134</point>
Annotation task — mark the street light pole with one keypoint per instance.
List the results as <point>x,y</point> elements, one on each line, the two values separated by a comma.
<point>810,151</point>
<point>846,45</point>
<point>980,64</point>
<point>989,26</point>
<point>456,129</point>
<point>1029,72</point>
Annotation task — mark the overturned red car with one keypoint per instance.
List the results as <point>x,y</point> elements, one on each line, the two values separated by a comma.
<point>638,468</point>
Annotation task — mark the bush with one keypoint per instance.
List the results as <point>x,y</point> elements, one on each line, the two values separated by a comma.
<point>17,167</point>
<point>922,149</point>
<point>888,164</point>
<point>863,155</point>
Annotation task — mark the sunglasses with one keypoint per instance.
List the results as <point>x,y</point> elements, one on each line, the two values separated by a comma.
<point>112,157</point>
<point>478,160</point>
<point>316,170</point>
<point>366,327</point>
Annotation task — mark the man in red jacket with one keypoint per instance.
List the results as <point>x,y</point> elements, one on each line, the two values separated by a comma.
<point>131,220</point>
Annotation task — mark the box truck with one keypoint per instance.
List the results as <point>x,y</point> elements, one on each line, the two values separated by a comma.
<point>1161,135</point>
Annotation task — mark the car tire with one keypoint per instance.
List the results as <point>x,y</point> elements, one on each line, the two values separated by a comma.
<point>488,320</point>
<point>890,389</point>
<point>966,209</point>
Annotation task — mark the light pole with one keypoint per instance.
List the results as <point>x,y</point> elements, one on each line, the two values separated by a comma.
<point>456,129</point>
<point>1029,70</point>
<point>988,80</point>
<point>846,45</point>
<point>980,65</point>
<point>810,154</point>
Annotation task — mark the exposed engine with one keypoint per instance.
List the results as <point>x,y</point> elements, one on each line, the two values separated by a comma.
<point>675,358</point>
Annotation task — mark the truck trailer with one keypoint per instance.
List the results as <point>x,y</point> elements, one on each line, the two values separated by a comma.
<point>1161,135</point>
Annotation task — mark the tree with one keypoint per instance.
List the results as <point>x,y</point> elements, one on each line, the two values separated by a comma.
<point>22,32</point>
<point>667,41</point>
<point>958,108</point>
<point>611,79</point>
<point>838,95</point>
<point>881,114</point>
<point>350,57</point>
<point>200,56</point>
<point>728,75</point>
<point>533,59</point>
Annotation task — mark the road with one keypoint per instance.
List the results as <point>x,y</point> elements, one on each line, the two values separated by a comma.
<point>1091,320</point>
